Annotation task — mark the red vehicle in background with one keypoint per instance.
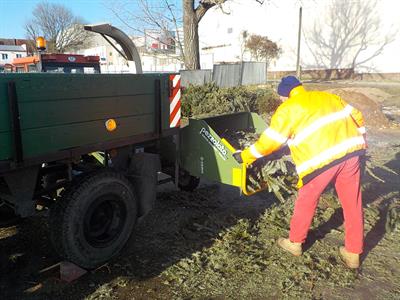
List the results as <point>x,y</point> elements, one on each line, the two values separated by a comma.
<point>55,63</point>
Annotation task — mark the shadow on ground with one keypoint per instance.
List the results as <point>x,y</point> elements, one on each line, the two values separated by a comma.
<point>181,224</point>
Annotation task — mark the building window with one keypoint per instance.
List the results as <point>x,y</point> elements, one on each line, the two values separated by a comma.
<point>230,30</point>
<point>4,56</point>
<point>19,55</point>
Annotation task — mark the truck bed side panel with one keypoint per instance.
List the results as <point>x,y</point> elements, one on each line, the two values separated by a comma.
<point>64,111</point>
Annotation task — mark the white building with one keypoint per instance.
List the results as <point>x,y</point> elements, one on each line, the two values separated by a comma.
<point>221,37</point>
<point>111,61</point>
<point>221,33</point>
<point>9,52</point>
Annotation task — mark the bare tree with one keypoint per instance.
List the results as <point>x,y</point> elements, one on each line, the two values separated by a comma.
<point>262,48</point>
<point>192,16</point>
<point>242,40</point>
<point>350,37</point>
<point>57,24</point>
<point>165,15</point>
<point>153,20</point>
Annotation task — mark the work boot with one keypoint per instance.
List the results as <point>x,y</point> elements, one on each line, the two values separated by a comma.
<point>294,248</point>
<point>352,260</point>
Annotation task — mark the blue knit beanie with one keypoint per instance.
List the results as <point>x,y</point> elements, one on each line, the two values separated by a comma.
<point>287,84</point>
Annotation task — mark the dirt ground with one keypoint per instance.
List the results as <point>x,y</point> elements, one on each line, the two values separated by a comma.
<point>215,244</point>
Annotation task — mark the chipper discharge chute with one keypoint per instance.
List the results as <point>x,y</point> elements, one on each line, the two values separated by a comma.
<point>207,154</point>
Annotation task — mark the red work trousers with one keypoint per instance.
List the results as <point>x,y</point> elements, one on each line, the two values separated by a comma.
<point>346,176</point>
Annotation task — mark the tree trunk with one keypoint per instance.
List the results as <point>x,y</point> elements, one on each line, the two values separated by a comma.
<point>191,36</point>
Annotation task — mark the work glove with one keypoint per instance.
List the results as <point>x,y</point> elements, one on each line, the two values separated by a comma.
<point>246,157</point>
<point>238,156</point>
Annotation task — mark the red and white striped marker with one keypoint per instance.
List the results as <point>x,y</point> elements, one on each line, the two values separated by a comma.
<point>175,101</point>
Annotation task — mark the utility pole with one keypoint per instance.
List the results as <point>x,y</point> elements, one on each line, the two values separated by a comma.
<point>298,73</point>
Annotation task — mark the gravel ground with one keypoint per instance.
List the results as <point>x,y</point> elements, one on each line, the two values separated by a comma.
<point>186,224</point>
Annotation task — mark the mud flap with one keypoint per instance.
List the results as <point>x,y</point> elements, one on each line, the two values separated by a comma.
<point>21,184</point>
<point>143,174</point>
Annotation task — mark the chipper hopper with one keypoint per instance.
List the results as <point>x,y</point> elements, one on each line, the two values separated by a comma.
<point>206,154</point>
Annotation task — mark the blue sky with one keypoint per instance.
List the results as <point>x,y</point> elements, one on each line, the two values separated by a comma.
<point>14,14</point>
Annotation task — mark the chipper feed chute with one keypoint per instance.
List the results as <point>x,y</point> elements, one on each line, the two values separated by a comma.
<point>205,154</point>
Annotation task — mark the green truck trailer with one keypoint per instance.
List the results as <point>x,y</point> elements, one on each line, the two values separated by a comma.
<point>90,148</point>
<point>56,143</point>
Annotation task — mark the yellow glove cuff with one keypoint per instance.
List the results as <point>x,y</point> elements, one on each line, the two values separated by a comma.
<point>247,157</point>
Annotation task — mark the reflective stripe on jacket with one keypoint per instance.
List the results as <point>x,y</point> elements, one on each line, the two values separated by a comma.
<point>318,127</point>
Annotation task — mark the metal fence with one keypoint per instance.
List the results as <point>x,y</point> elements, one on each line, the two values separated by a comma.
<point>198,77</point>
<point>254,73</point>
<point>228,75</point>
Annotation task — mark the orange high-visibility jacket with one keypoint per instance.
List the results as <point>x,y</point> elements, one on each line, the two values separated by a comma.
<point>320,129</point>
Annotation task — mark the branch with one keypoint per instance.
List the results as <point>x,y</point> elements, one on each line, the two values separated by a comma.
<point>161,18</point>
<point>176,29</point>
<point>202,8</point>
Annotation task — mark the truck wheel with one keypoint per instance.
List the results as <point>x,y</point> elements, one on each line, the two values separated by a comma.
<point>188,182</point>
<point>94,220</point>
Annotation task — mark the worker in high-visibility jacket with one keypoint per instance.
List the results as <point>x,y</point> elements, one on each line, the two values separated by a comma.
<point>326,137</point>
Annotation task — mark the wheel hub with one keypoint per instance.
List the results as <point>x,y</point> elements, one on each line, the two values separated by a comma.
<point>104,221</point>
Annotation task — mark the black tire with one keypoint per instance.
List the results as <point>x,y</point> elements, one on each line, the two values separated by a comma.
<point>94,219</point>
<point>188,182</point>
